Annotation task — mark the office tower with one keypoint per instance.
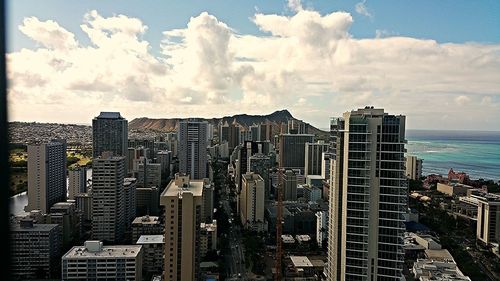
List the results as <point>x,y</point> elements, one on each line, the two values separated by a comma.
<point>108,198</point>
<point>147,201</point>
<point>311,193</point>
<point>46,175</point>
<point>297,127</point>
<point>266,132</point>
<point>210,133</point>
<point>193,148</point>
<point>208,201</point>
<point>254,133</point>
<point>252,202</point>
<point>148,144</point>
<point>289,181</point>
<point>229,133</point>
<point>130,195</point>
<point>152,261</point>
<point>148,174</point>
<point>321,227</point>
<point>109,133</point>
<point>245,135</point>
<point>84,205</point>
<point>488,217</point>
<point>164,158</point>
<point>292,150</point>
<point>35,250</point>
<point>146,225</point>
<point>413,167</point>
<point>313,158</point>
<point>368,196</point>
<point>182,200</point>
<point>94,261</point>
<point>77,181</point>
<point>65,215</point>
<point>325,165</point>
<point>262,164</point>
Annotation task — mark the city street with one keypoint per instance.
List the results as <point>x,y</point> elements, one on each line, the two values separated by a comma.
<point>235,257</point>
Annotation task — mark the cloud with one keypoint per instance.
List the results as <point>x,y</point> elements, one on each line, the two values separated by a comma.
<point>362,10</point>
<point>295,5</point>
<point>307,62</point>
<point>462,100</point>
<point>48,33</point>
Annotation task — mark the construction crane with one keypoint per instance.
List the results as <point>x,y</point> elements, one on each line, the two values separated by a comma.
<point>279,225</point>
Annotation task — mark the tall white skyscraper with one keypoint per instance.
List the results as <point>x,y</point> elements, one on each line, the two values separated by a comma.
<point>193,148</point>
<point>252,202</point>
<point>108,197</point>
<point>46,175</point>
<point>368,196</point>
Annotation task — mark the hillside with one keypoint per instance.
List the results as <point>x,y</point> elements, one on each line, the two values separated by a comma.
<point>245,120</point>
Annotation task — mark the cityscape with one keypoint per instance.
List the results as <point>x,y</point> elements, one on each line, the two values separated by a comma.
<point>246,140</point>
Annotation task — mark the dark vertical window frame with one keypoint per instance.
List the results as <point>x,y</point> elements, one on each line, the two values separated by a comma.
<point>4,147</point>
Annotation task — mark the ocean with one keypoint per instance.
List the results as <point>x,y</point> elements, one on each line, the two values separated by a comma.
<point>475,152</point>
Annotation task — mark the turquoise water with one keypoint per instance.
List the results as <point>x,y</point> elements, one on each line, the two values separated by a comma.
<point>474,152</point>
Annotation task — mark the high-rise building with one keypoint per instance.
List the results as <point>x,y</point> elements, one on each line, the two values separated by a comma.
<point>46,175</point>
<point>77,181</point>
<point>488,217</point>
<point>289,182</point>
<point>153,248</point>
<point>265,132</point>
<point>261,164</point>
<point>193,148</point>
<point>313,158</point>
<point>297,127</point>
<point>368,196</point>
<point>35,250</point>
<point>109,133</point>
<point>413,167</point>
<point>292,150</point>
<point>182,200</point>
<point>146,225</point>
<point>148,144</point>
<point>130,195</point>
<point>148,174</point>
<point>65,215</point>
<point>108,198</point>
<point>252,202</point>
<point>321,227</point>
<point>208,237</point>
<point>325,165</point>
<point>208,201</point>
<point>229,133</point>
<point>147,201</point>
<point>164,158</point>
<point>94,261</point>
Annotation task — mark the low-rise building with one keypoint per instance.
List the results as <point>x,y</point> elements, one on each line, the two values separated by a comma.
<point>93,261</point>
<point>453,189</point>
<point>35,250</point>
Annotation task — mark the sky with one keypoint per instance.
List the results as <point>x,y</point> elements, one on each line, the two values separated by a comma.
<point>437,62</point>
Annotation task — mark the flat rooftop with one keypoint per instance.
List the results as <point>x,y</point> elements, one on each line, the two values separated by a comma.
<point>439,255</point>
<point>150,239</point>
<point>301,261</point>
<point>119,251</point>
<point>36,228</point>
<point>195,187</point>
<point>146,220</point>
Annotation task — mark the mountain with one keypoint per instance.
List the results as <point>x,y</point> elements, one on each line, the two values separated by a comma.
<point>170,124</point>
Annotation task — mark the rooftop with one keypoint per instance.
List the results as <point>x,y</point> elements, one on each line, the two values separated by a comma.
<point>301,261</point>
<point>439,255</point>
<point>119,251</point>
<point>182,184</point>
<point>109,115</point>
<point>146,220</point>
<point>150,239</point>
